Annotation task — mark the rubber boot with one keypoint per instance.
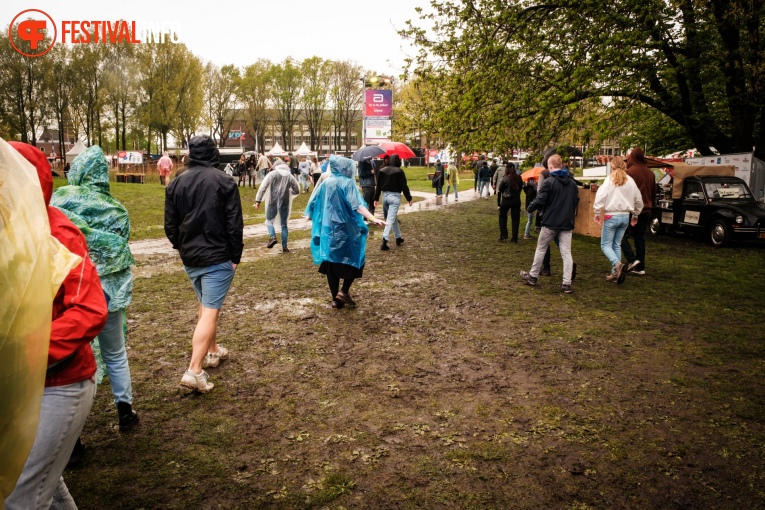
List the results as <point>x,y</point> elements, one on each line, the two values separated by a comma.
<point>128,417</point>
<point>384,245</point>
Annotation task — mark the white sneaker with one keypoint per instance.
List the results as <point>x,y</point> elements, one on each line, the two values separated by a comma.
<point>196,382</point>
<point>213,359</point>
<point>632,265</point>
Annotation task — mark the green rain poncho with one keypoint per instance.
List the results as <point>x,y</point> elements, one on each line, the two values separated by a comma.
<point>104,222</point>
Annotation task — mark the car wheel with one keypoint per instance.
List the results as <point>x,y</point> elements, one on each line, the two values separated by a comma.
<point>719,233</point>
<point>655,227</point>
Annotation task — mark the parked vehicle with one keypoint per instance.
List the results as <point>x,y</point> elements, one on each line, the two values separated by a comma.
<point>720,207</point>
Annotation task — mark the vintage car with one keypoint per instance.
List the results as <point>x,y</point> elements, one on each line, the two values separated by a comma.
<point>722,208</point>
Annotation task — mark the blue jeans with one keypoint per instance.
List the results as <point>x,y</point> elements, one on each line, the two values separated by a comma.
<point>481,186</point>
<point>611,237</point>
<point>271,212</point>
<point>391,203</point>
<point>63,412</point>
<point>304,180</point>
<point>111,340</point>
<point>528,224</point>
<point>448,186</point>
<point>439,190</point>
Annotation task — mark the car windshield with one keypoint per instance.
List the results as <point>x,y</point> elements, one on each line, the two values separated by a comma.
<point>728,191</point>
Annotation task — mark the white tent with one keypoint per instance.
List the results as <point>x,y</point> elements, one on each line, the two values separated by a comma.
<point>78,148</point>
<point>276,150</point>
<point>304,151</point>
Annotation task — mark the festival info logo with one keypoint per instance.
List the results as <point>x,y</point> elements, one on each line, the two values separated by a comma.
<point>31,32</point>
<point>378,103</point>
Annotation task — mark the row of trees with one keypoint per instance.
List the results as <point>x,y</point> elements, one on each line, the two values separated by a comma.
<point>126,96</point>
<point>657,72</point>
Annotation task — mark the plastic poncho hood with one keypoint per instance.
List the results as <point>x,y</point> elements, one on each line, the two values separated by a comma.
<point>103,220</point>
<point>338,232</point>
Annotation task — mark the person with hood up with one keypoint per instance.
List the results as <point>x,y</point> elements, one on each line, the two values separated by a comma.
<point>646,183</point>
<point>304,172</point>
<point>203,221</point>
<point>391,182</point>
<point>452,181</point>
<point>106,225</point>
<point>338,232</point>
<point>558,197</point>
<point>79,314</point>
<point>279,184</point>
<point>484,177</point>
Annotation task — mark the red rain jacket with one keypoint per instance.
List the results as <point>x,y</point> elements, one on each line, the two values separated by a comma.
<point>79,308</point>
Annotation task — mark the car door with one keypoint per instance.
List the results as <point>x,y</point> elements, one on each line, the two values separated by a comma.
<point>694,202</point>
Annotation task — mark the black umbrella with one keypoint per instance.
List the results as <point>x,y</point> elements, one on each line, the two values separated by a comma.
<point>571,151</point>
<point>368,151</point>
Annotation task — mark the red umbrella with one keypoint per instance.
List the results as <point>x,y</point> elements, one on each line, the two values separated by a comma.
<point>533,173</point>
<point>399,148</point>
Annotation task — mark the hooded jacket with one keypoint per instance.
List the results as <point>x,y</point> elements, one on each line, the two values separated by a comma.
<point>392,179</point>
<point>558,197</point>
<point>643,177</point>
<point>203,211</point>
<point>79,308</point>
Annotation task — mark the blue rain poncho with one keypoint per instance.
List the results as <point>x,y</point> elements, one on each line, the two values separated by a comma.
<point>338,233</point>
<point>103,220</point>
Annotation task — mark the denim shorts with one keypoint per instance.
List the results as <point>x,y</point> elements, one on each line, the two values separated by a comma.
<point>211,283</point>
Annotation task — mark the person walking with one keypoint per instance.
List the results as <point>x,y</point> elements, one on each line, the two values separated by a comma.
<point>264,165</point>
<point>315,171</point>
<point>509,199</point>
<point>278,185</point>
<point>438,178</point>
<point>106,225</point>
<point>484,176</point>
<point>203,221</point>
<point>646,182</point>
<point>616,199</point>
<point>338,233</point>
<point>241,171</point>
<point>452,178</point>
<point>304,172</point>
<point>558,197</point>
<point>391,182</point>
<point>164,167</point>
<point>252,171</point>
<point>530,189</point>
<point>79,313</point>
<point>367,182</point>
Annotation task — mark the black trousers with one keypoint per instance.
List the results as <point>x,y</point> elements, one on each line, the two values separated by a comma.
<point>368,192</point>
<point>513,205</point>
<point>638,234</point>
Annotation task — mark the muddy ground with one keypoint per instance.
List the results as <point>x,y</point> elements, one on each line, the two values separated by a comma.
<point>451,385</point>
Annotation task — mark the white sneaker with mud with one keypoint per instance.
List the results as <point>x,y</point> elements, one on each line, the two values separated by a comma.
<point>213,359</point>
<point>196,382</point>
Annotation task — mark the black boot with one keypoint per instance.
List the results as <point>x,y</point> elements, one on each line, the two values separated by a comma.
<point>128,417</point>
<point>384,245</point>
<point>399,241</point>
<point>78,452</point>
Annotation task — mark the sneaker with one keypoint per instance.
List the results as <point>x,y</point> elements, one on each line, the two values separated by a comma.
<point>611,277</point>
<point>345,298</point>
<point>399,241</point>
<point>573,273</point>
<point>337,305</point>
<point>632,265</point>
<point>639,273</point>
<point>502,239</point>
<point>213,359</point>
<point>285,249</point>
<point>620,273</point>
<point>527,236</point>
<point>271,243</point>
<point>530,280</point>
<point>545,272</point>
<point>566,289</point>
<point>196,382</point>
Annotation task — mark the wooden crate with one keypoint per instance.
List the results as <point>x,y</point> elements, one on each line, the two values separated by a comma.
<point>585,222</point>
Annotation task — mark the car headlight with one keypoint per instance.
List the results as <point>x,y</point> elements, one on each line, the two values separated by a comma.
<point>739,219</point>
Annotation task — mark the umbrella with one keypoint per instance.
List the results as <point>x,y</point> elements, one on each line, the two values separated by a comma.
<point>532,174</point>
<point>399,148</point>
<point>368,151</point>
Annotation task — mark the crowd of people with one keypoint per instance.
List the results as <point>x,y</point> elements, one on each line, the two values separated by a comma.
<point>204,222</point>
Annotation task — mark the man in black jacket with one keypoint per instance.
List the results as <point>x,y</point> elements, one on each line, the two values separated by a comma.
<point>558,196</point>
<point>203,221</point>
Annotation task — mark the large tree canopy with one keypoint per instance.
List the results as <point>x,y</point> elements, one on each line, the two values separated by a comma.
<point>522,70</point>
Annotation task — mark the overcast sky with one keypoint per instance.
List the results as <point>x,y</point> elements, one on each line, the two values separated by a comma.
<point>231,32</point>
